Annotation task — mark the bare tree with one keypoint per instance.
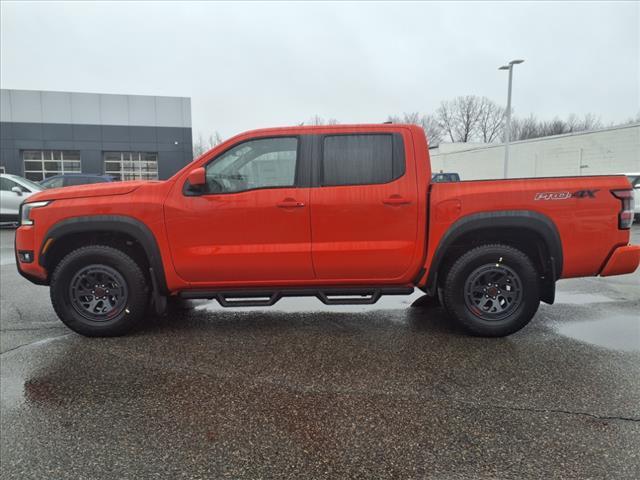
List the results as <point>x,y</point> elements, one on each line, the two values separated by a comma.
<point>588,122</point>
<point>202,145</point>
<point>491,120</point>
<point>432,129</point>
<point>318,120</point>
<point>459,118</point>
<point>530,127</point>
<point>523,129</point>
<point>446,120</point>
<point>557,126</point>
<point>429,124</point>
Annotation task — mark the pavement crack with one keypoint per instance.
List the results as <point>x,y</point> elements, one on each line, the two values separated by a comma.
<point>27,329</point>
<point>554,410</point>
<point>45,340</point>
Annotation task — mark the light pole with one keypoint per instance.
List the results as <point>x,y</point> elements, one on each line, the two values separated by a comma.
<point>507,133</point>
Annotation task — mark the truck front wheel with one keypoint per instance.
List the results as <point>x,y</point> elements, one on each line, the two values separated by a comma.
<point>492,290</point>
<point>99,291</point>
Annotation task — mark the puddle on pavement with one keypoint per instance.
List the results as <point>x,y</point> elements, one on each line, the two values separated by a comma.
<point>620,333</point>
<point>582,298</point>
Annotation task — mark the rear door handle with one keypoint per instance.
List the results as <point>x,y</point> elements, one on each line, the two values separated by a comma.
<point>289,203</point>
<point>396,200</point>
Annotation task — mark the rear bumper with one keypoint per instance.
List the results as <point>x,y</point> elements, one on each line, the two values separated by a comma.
<point>623,260</point>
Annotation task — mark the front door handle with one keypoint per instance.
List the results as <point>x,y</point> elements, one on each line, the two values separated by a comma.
<point>396,200</point>
<point>289,203</point>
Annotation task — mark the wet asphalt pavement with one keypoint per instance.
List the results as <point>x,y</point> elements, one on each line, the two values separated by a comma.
<point>303,390</point>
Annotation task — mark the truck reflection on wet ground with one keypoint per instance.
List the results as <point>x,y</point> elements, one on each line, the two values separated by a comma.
<point>308,390</point>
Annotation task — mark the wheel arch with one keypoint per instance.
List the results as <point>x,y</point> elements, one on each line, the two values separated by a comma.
<point>104,226</point>
<point>532,232</point>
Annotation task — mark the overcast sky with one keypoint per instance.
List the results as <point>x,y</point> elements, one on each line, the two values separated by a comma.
<point>250,65</point>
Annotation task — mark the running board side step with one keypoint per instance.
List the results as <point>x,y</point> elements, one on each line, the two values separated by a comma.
<point>328,296</point>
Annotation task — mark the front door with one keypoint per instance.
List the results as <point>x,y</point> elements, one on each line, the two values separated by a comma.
<point>250,224</point>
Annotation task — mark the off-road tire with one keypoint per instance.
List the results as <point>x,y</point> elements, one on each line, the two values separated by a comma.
<point>459,303</point>
<point>130,312</point>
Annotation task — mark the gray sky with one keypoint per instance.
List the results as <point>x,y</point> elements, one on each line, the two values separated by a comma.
<point>251,65</point>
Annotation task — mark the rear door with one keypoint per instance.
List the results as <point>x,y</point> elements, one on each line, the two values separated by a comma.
<point>364,207</point>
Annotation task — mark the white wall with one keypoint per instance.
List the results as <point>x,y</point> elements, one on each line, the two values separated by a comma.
<point>612,150</point>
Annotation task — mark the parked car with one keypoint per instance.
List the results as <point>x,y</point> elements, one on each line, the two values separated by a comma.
<point>634,179</point>
<point>13,191</point>
<point>445,177</point>
<point>72,179</point>
<point>343,213</point>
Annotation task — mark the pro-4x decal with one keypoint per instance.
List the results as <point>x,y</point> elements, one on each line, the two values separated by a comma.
<point>565,195</point>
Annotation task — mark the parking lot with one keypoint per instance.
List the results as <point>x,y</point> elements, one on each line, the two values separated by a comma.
<point>305,390</point>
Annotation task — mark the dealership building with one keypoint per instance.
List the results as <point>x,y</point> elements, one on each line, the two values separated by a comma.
<point>125,136</point>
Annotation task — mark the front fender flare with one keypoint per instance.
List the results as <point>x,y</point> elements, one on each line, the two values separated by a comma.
<point>112,223</point>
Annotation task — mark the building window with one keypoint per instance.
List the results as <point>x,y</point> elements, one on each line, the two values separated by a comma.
<point>131,165</point>
<point>41,164</point>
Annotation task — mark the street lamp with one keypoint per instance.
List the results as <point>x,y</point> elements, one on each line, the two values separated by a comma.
<point>507,134</point>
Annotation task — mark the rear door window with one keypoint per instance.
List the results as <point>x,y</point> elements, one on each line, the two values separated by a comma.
<point>362,159</point>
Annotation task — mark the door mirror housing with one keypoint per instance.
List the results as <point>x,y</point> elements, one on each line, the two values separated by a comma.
<point>17,191</point>
<point>197,177</point>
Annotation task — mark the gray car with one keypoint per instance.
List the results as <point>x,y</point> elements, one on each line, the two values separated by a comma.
<point>13,191</point>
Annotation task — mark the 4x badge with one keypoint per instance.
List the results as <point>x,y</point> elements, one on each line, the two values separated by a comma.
<point>565,195</point>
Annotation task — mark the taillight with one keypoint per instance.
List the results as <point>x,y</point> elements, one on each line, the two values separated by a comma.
<point>625,217</point>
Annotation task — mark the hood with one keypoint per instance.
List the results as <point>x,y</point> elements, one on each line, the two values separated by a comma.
<point>90,190</point>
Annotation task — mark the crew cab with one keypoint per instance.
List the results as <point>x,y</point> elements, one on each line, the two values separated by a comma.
<point>342,213</point>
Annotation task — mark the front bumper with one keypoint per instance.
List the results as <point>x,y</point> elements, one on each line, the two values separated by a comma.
<point>31,270</point>
<point>622,260</point>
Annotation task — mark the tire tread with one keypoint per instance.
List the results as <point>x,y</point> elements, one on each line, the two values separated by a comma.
<point>138,294</point>
<point>450,288</point>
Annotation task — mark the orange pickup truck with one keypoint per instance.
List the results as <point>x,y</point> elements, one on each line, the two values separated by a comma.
<point>342,213</point>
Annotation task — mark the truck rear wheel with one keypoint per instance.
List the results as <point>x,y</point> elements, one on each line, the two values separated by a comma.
<point>492,290</point>
<point>99,291</point>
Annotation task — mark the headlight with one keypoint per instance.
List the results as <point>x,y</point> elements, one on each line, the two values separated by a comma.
<point>25,208</point>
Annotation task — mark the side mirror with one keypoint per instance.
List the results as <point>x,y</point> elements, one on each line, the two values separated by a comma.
<point>17,191</point>
<point>197,177</point>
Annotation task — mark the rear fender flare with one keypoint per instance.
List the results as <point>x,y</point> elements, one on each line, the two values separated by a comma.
<point>518,219</point>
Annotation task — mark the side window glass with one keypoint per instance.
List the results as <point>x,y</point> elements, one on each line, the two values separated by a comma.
<point>263,163</point>
<point>55,183</point>
<point>6,185</point>
<point>76,181</point>
<point>362,159</point>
